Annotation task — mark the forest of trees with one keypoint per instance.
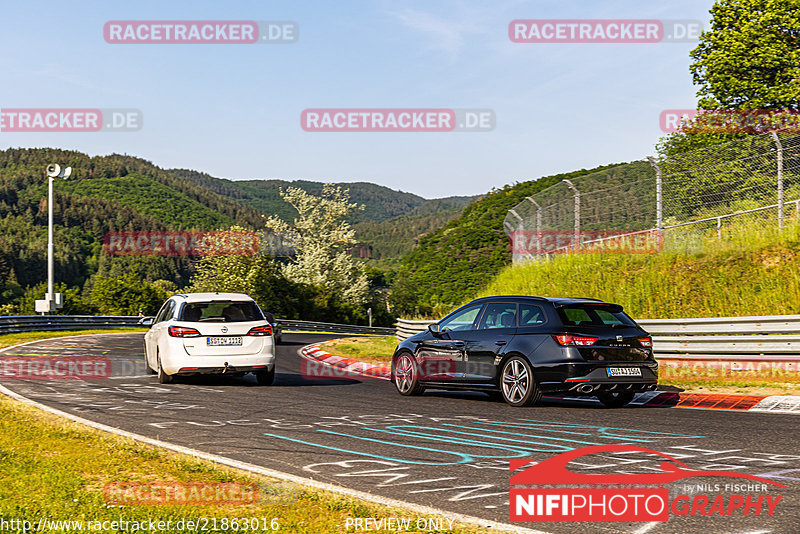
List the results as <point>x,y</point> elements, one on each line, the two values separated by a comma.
<point>119,193</point>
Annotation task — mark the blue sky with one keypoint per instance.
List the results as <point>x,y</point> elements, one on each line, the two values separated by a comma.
<point>233,111</point>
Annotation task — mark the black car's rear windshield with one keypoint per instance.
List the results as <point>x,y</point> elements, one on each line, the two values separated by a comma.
<point>221,312</point>
<point>593,315</point>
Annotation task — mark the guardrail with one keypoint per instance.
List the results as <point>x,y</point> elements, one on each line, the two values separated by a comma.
<point>29,323</point>
<point>334,327</point>
<point>408,327</point>
<point>761,344</point>
<point>745,343</point>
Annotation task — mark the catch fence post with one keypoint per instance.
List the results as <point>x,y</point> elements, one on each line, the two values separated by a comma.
<point>779,149</point>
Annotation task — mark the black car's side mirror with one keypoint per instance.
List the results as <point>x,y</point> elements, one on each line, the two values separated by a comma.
<point>146,321</point>
<point>434,329</point>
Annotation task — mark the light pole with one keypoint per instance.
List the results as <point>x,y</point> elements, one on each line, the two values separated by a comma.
<point>52,301</point>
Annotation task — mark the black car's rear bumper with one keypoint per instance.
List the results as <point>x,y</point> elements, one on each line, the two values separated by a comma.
<point>591,378</point>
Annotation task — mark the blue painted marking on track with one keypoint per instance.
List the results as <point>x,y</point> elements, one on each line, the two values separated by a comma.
<point>603,429</point>
<point>465,458</point>
<point>517,434</point>
<point>523,445</point>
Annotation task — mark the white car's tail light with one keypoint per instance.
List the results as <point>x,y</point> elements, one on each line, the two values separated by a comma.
<point>183,331</point>
<point>566,340</point>
<point>265,330</point>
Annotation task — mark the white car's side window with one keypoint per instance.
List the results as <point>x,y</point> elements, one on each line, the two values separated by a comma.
<point>166,312</point>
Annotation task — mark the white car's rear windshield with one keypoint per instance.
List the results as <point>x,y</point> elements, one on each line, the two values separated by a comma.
<point>221,312</point>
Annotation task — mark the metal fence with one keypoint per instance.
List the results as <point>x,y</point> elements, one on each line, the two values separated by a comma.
<point>749,182</point>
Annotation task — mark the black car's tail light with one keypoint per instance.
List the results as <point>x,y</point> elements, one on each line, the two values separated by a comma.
<point>182,331</point>
<point>264,330</point>
<point>566,340</point>
<point>646,341</point>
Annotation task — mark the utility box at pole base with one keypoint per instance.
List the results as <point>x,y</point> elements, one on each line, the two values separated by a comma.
<point>50,304</point>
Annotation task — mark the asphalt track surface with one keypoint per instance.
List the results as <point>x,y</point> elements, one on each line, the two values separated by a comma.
<point>445,450</point>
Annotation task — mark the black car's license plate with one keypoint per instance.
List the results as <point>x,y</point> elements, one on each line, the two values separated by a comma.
<point>624,371</point>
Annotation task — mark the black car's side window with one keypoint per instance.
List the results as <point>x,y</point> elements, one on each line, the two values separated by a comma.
<point>462,320</point>
<point>530,315</point>
<point>499,315</point>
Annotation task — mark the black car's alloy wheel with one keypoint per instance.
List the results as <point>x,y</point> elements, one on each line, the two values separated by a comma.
<point>517,383</point>
<point>404,370</point>
<point>616,399</point>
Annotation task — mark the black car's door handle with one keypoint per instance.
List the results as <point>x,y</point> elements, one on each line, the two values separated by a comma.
<point>500,342</point>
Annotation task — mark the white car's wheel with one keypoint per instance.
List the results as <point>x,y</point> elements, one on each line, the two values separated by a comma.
<point>265,378</point>
<point>147,368</point>
<point>163,378</point>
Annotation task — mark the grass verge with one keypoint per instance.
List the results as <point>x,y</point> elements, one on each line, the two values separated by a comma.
<point>371,349</point>
<point>60,470</point>
<point>747,272</point>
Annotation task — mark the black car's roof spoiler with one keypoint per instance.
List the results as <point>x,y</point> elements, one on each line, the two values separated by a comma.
<point>589,302</point>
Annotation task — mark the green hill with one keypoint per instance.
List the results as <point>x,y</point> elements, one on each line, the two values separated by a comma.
<point>388,227</point>
<point>454,262</point>
<point>380,203</point>
<point>105,194</point>
<point>122,193</point>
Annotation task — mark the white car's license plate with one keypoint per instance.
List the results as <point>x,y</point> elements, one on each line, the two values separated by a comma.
<point>228,341</point>
<point>624,371</point>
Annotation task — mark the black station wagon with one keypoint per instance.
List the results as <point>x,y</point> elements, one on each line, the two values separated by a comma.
<point>522,347</point>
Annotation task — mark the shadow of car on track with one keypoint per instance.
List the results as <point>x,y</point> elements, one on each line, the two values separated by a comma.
<point>248,380</point>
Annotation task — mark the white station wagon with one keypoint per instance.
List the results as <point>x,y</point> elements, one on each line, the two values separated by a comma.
<point>210,333</point>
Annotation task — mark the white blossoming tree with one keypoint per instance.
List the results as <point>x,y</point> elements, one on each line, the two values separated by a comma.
<point>322,239</point>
